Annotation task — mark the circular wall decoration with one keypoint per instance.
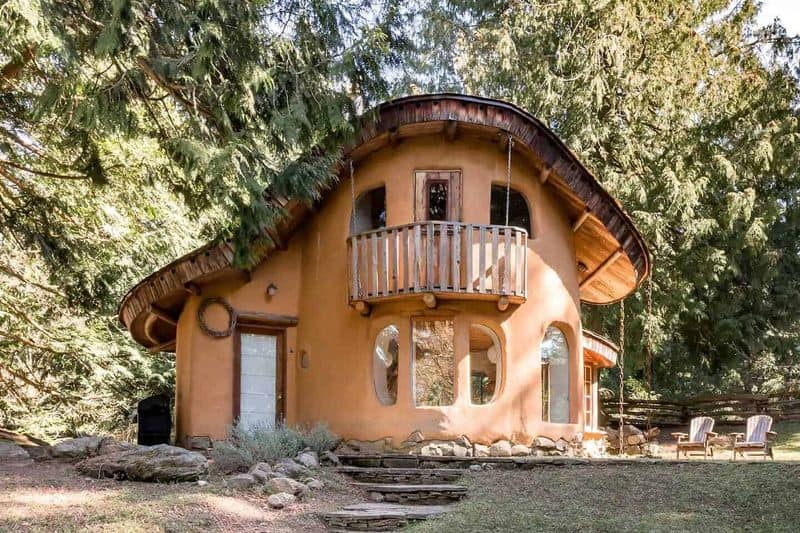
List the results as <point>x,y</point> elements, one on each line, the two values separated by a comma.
<point>201,317</point>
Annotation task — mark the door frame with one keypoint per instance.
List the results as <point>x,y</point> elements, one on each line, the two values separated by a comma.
<point>422,179</point>
<point>280,371</point>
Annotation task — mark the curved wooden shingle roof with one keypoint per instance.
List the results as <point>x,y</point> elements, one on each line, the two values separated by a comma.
<point>612,255</point>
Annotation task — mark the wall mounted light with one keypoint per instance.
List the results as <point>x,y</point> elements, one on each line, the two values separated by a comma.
<point>272,289</point>
<point>582,267</point>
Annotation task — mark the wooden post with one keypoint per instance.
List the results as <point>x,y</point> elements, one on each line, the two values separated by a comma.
<point>430,300</point>
<point>363,307</point>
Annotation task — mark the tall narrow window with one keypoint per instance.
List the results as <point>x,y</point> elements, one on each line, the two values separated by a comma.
<point>384,365</point>
<point>555,376</point>
<point>434,367</point>
<point>518,213</point>
<point>437,199</point>
<point>484,364</point>
<point>370,211</point>
<point>588,380</point>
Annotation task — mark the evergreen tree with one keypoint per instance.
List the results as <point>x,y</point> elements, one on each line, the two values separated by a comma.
<point>686,112</point>
<point>132,131</point>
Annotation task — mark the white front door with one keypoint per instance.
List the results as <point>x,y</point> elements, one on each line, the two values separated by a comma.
<point>258,391</point>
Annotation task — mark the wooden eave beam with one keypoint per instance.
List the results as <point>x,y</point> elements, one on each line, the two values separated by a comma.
<point>163,314</point>
<point>450,130</point>
<point>580,220</point>
<point>166,346</point>
<point>273,233</point>
<point>192,288</point>
<point>544,175</point>
<point>393,136</point>
<point>600,269</point>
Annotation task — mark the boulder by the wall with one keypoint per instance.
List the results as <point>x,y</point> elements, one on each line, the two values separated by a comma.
<point>77,448</point>
<point>289,468</point>
<point>112,445</point>
<point>330,458</point>
<point>280,500</point>
<point>314,484</point>
<point>147,463</point>
<point>308,459</point>
<point>11,453</point>
<point>369,446</point>
<point>262,472</point>
<point>480,450</point>
<point>519,450</point>
<point>242,481</point>
<point>415,437</point>
<point>543,443</point>
<point>501,448</point>
<point>285,484</point>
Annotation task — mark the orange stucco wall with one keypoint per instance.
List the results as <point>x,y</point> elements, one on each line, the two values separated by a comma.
<point>337,387</point>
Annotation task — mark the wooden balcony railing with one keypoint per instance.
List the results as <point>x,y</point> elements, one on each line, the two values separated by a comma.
<point>440,258</point>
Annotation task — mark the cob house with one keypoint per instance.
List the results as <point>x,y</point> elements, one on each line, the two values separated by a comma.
<point>436,288</point>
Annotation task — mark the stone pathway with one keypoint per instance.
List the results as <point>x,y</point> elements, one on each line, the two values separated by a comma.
<point>399,496</point>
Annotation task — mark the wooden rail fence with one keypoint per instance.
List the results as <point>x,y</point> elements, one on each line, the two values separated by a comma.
<point>731,408</point>
<point>442,257</point>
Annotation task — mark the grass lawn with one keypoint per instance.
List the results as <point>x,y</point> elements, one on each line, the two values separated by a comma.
<point>753,496</point>
<point>647,498</point>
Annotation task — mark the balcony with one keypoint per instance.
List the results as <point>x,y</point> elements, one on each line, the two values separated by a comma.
<point>438,260</point>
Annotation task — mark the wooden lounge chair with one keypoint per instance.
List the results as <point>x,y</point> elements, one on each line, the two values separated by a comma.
<point>758,438</point>
<point>697,439</point>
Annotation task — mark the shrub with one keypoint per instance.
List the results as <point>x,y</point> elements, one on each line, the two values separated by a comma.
<point>261,443</point>
<point>319,438</point>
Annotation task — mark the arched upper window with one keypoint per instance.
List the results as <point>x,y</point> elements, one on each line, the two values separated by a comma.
<point>384,364</point>
<point>370,211</point>
<point>485,360</point>
<point>555,376</point>
<point>519,214</point>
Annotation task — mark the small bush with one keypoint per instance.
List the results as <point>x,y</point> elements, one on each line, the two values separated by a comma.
<point>229,458</point>
<point>261,443</point>
<point>319,438</point>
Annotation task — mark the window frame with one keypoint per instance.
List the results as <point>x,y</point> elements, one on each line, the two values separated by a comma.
<point>499,365</point>
<point>352,228</point>
<point>373,358</point>
<point>524,198</point>
<point>547,389</point>
<point>413,357</point>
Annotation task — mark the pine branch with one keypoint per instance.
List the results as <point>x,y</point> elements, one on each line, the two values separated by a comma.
<point>11,164</point>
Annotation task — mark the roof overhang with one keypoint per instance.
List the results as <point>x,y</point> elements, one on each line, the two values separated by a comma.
<point>598,350</point>
<point>612,256</point>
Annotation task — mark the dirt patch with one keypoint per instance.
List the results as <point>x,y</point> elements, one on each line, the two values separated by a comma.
<point>52,496</point>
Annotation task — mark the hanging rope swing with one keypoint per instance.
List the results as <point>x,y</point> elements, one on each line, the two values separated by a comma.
<point>508,176</point>
<point>621,363</point>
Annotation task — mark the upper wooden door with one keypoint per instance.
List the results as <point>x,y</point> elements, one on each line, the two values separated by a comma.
<point>437,195</point>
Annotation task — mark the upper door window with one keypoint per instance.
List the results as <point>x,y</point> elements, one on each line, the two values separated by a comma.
<point>555,376</point>
<point>370,211</point>
<point>437,195</point>
<point>519,214</point>
<point>437,198</point>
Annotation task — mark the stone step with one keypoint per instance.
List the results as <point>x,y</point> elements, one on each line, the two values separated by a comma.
<point>413,494</point>
<point>374,516</point>
<point>408,476</point>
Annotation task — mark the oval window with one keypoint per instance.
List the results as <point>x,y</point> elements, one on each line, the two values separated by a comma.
<point>484,364</point>
<point>555,376</point>
<point>384,364</point>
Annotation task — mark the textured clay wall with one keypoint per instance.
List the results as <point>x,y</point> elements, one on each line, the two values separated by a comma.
<point>337,387</point>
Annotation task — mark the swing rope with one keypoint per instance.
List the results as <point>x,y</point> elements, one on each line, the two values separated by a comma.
<point>352,200</point>
<point>648,349</point>
<point>621,364</point>
<point>508,175</point>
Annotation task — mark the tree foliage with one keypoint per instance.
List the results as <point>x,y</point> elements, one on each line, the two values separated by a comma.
<point>686,112</point>
<point>131,131</point>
